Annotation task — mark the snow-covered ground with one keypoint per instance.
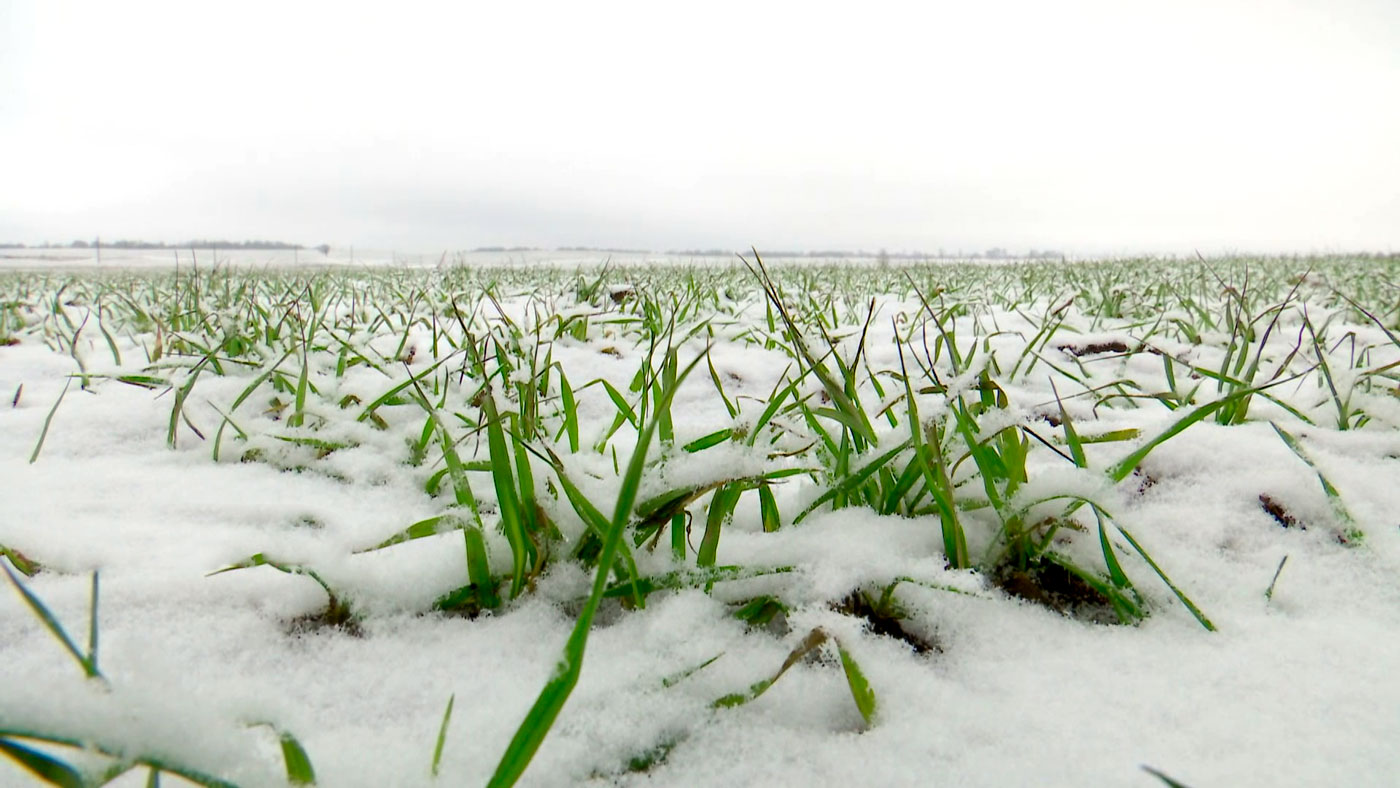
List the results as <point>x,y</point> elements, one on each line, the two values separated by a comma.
<point>1298,688</point>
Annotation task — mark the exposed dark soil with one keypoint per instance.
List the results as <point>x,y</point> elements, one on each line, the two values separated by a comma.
<point>1051,585</point>
<point>334,617</point>
<point>884,622</point>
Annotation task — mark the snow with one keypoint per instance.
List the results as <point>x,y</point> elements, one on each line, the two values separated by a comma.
<point>1299,689</point>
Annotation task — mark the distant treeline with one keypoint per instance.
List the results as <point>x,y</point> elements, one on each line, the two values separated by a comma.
<point>194,244</point>
<point>601,249</point>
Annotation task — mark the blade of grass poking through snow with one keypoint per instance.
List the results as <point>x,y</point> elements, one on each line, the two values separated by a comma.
<point>508,502</point>
<point>682,675</point>
<point>298,417</point>
<point>719,387</point>
<point>26,565</point>
<point>570,411</point>
<point>812,641</point>
<point>706,441</point>
<point>1076,446</point>
<point>44,431</point>
<point>118,751</point>
<point>1191,606</point>
<point>442,735</point>
<point>596,521</point>
<point>461,489</point>
<point>533,729</point>
<point>92,627</point>
<point>852,481</point>
<point>439,524</point>
<point>88,664</point>
<point>247,392</point>
<point>1269,592</point>
<point>337,609</point>
<point>721,508</point>
<point>1170,783</point>
<point>1334,498</point>
<point>1121,470</point>
<point>861,692</point>
<point>181,394</point>
<point>479,567</point>
<point>928,456</point>
<point>299,771</point>
<point>294,757</point>
<point>847,412</point>
<point>44,766</point>
<point>768,509</point>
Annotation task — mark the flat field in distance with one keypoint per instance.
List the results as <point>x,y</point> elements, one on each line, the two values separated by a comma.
<point>700,523</point>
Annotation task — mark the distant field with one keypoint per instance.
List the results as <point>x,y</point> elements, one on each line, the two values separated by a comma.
<point>356,519</point>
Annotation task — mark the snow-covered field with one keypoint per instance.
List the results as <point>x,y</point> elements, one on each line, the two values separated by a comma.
<point>1010,525</point>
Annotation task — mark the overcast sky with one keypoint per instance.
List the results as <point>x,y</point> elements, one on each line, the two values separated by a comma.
<point>1084,126</point>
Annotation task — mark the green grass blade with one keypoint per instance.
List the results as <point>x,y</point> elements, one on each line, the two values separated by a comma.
<point>44,432</point>
<point>247,392</point>
<point>811,642</point>
<point>775,403</point>
<point>92,627</point>
<point>719,387</point>
<point>1115,570</point>
<point>298,763</point>
<point>682,675</point>
<point>928,456</point>
<point>1076,447</point>
<point>1124,467</point>
<point>368,413</point>
<point>1191,606</point>
<point>596,521</point>
<point>51,622</point>
<point>854,480</point>
<point>861,692</point>
<point>298,417</point>
<point>1169,782</point>
<point>440,524</point>
<point>442,734</point>
<point>507,497</point>
<point>620,402</point>
<point>181,394</point>
<point>479,567</point>
<point>26,565</point>
<point>768,509</point>
<point>570,408</point>
<point>1269,592</point>
<point>721,509</point>
<point>118,751</point>
<point>713,439</point>
<point>44,766</point>
<point>1334,498</point>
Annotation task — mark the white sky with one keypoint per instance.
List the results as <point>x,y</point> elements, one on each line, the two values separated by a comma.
<point>1084,126</point>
